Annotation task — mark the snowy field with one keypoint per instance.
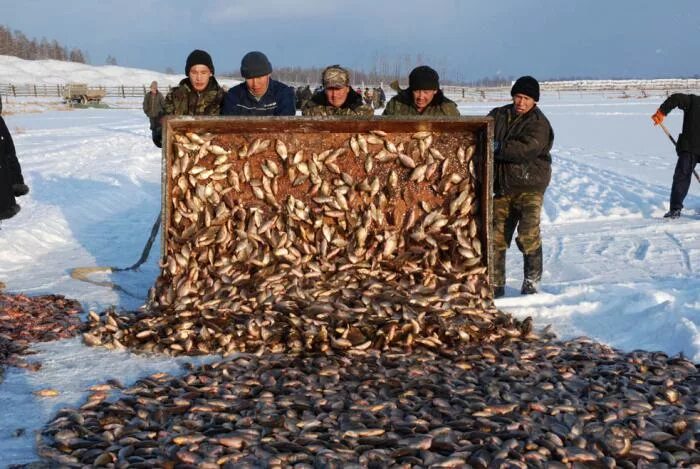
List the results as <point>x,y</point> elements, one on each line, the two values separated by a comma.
<point>614,269</point>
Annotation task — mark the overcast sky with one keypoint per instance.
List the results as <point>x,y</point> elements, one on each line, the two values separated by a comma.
<point>464,39</point>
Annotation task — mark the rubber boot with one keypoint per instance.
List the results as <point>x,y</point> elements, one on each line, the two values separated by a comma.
<point>498,274</point>
<point>533,271</point>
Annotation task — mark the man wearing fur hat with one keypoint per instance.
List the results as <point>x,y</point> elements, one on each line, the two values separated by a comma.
<point>259,95</point>
<point>337,97</point>
<point>199,94</point>
<point>523,139</point>
<point>423,97</point>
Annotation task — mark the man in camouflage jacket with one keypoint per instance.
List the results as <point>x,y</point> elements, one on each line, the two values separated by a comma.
<point>523,138</point>
<point>337,97</point>
<point>199,94</point>
<point>423,97</point>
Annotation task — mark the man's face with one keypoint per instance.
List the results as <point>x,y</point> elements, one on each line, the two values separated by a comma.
<point>154,89</point>
<point>522,103</point>
<point>421,98</point>
<point>337,96</point>
<point>258,85</point>
<point>199,77</point>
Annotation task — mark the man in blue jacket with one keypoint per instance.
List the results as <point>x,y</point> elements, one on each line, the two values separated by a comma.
<point>259,95</point>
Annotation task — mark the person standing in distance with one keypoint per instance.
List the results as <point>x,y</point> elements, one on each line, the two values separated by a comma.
<point>153,107</point>
<point>523,138</point>
<point>687,146</point>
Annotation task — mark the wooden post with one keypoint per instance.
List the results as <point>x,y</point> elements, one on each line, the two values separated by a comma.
<point>14,91</point>
<point>123,95</point>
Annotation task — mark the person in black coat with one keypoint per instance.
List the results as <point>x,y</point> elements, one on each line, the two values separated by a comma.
<point>11,181</point>
<point>687,146</point>
<point>259,95</point>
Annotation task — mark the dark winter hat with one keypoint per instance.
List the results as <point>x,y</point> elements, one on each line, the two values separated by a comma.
<point>528,86</point>
<point>423,78</point>
<point>198,57</point>
<point>255,64</point>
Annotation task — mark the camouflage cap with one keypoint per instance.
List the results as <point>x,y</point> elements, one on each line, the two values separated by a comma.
<point>335,76</point>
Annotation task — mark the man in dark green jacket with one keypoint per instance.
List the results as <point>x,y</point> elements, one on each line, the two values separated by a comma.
<point>423,97</point>
<point>337,97</point>
<point>523,138</point>
<point>687,147</point>
<point>199,94</point>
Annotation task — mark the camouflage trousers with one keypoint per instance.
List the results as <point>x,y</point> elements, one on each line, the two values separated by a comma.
<point>521,211</point>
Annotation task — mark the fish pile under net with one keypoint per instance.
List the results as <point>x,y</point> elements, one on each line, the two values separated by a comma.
<point>526,403</point>
<point>25,320</point>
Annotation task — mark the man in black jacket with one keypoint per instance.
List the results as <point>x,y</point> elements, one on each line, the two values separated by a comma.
<point>687,147</point>
<point>523,138</point>
<point>11,181</point>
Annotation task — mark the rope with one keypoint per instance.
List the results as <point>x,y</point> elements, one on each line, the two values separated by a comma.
<point>82,273</point>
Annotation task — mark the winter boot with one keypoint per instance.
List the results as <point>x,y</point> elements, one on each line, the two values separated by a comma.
<point>533,271</point>
<point>673,213</point>
<point>498,274</point>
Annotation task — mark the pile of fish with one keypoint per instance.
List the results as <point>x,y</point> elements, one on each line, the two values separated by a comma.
<point>25,320</point>
<point>526,403</point>
<point>336,241</point>
<point>330,257</point>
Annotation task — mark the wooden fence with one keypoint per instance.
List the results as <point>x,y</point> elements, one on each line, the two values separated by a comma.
<point>20,90</point>
<point>619,88</point>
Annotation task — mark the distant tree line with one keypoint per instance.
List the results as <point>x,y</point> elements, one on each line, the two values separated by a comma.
<point>15,43</point>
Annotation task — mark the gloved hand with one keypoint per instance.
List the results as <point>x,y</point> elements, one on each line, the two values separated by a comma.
<point>658,117</point>
<point>496,146</point>
<point>20,189</point>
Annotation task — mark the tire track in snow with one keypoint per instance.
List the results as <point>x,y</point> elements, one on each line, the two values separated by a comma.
<point>684,253</point>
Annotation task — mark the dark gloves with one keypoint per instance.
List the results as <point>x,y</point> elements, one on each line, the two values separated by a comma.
<point>20,189</point>
<point>496,146</point>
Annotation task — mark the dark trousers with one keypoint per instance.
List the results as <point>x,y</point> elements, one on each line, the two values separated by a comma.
<point>681,178</point>
<point>156,131</point>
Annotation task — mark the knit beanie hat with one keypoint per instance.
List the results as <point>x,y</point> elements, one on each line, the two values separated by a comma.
<point>255,64</point>
<point>528,86</point>
<point>423,78</point>
<point>198,57</point>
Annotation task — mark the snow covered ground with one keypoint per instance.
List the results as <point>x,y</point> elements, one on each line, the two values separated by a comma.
<point>614,269</point>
